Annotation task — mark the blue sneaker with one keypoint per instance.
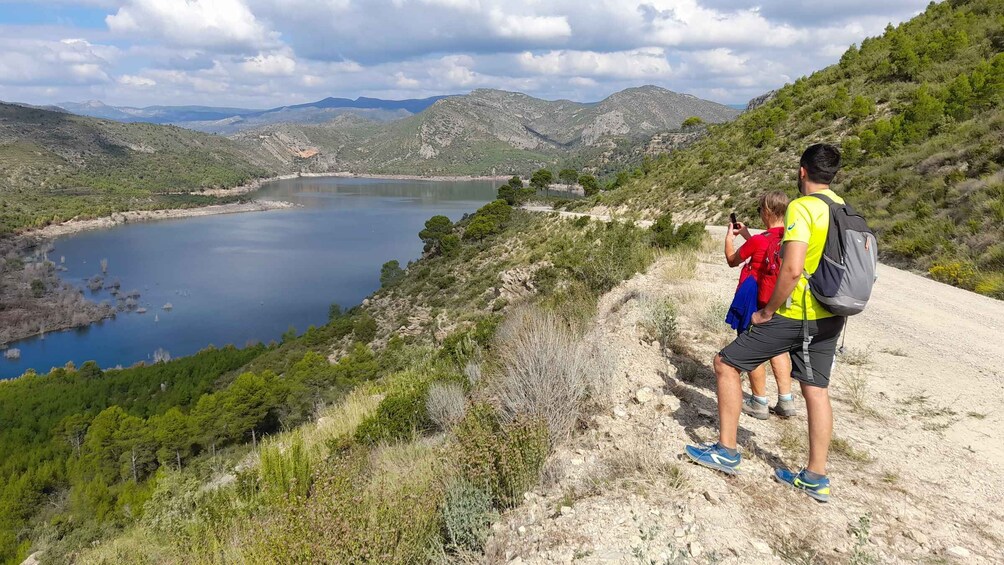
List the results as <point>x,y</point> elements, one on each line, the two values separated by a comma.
<point>713,456</point>
<point>820,490</point>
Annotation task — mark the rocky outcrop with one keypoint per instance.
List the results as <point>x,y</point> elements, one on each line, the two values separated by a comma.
<point>761,100</point>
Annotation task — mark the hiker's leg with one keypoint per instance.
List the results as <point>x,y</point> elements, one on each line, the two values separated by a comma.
<point>817,406</point>
<point>781,366</point>
<point>730,400</point>
<point>758,381</point>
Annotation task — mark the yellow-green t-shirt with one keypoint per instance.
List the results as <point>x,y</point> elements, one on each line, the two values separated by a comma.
<point>807,220</point>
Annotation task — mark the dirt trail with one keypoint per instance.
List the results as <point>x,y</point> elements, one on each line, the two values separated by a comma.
<point>915,464</point>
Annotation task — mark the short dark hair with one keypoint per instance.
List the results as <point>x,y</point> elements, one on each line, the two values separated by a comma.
<point>821,161</point>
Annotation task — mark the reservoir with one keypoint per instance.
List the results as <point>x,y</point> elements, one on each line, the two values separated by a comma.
<point>240,278</point>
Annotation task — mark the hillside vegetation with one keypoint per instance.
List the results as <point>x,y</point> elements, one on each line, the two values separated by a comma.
<point>918,113</point>
<point>488,130</point>
<point>432,418</point>
<point>56,166</point>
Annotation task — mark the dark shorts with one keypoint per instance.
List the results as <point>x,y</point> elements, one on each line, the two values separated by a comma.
<point>784,335</point>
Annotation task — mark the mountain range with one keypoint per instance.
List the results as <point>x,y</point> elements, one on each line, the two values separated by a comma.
<point>483,131</point>
<point>224,120</point>
<point>55,165</point>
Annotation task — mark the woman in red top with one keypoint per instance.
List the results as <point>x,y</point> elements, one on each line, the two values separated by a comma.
<point>761,260</point>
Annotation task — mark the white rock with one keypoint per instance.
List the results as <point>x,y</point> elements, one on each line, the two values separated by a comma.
<point>577,461</point>
<point>679,533</point>
<point>521,530</point>
<point>620,412</point>
<point>760,547</point>
<point>958,552</point>
<point>566,510</point>
<point>688,518</point>
<point>918,536</point>
<point>695,548</point>
<point>643,395</point>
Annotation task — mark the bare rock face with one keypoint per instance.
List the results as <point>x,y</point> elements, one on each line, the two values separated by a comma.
<point>761,100</point>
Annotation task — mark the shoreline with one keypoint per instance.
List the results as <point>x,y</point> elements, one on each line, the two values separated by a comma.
<point>257,183</point>
<point>70,227</point>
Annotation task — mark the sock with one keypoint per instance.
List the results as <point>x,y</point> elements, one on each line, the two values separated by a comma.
<point>785,396</point>
<point>813,476</point>
<point>731,452</point>
<point>763,400</point>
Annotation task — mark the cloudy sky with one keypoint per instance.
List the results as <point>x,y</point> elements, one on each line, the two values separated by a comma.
<point>263,53</point>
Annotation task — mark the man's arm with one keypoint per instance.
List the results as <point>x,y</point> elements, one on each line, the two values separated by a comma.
<point>792,267</point>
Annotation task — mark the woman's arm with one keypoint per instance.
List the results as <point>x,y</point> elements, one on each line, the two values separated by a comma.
<point>732,255</point>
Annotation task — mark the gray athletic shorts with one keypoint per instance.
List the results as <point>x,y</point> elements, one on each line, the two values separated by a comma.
<point>784,335</point>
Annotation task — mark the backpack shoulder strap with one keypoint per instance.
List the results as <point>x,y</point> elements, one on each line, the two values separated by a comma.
<point>829,201</point>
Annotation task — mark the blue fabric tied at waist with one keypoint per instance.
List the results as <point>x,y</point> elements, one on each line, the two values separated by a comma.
<point>743,306</point>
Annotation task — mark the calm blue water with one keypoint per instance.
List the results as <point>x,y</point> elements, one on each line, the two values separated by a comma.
<point>245,277</point>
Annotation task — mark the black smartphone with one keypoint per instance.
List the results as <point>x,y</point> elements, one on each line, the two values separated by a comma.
<point>732,218</point>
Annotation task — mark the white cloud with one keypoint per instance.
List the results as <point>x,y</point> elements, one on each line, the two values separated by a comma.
<point>721,61</point>
<point>272,64</point>
<point>686,22</point>
<point>276,52</point>
<point>44,62</point>
<point>136,81</point>
<point>221,24</point>
<point>530,27</point>
<point>648,63</point>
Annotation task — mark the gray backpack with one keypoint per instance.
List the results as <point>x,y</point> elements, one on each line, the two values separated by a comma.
<point>847,270</point>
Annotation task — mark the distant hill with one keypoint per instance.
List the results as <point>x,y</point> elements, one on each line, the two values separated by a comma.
<point>224,120</point>
<point>918,113</point>
<point>55,166</point>
<point>483,131</point>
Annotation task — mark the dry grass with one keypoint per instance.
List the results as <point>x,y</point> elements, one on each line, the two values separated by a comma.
<point>658,321</point>
<point>340,420</point>
<point>855,384</point>
<point>679,265</point>
<point>842,448</point>
<point>638,470</point>
<point>856,356</point>
<point>446,404</point>
<point>792,440</point>
<point>711,318</point>
<point>547,373</point>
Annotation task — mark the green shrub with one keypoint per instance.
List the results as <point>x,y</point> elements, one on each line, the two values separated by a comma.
<point>364,328</point>
<point>353,515</point>
<point>666,235</point>
<point>990,284</point>
<point>505,461</point>
<point>285,472</point>
<point>955,273</point>
<point>659,321</point>
<point>400,415</point>
<point>467,516</point>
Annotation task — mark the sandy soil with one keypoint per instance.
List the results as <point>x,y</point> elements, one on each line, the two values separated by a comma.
<point>915,466</point>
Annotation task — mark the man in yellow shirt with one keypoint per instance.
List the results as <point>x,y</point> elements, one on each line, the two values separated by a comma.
<point>793,322</point>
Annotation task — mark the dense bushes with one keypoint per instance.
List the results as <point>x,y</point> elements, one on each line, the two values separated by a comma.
<point>504,461</point>
<point>667,235</point>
